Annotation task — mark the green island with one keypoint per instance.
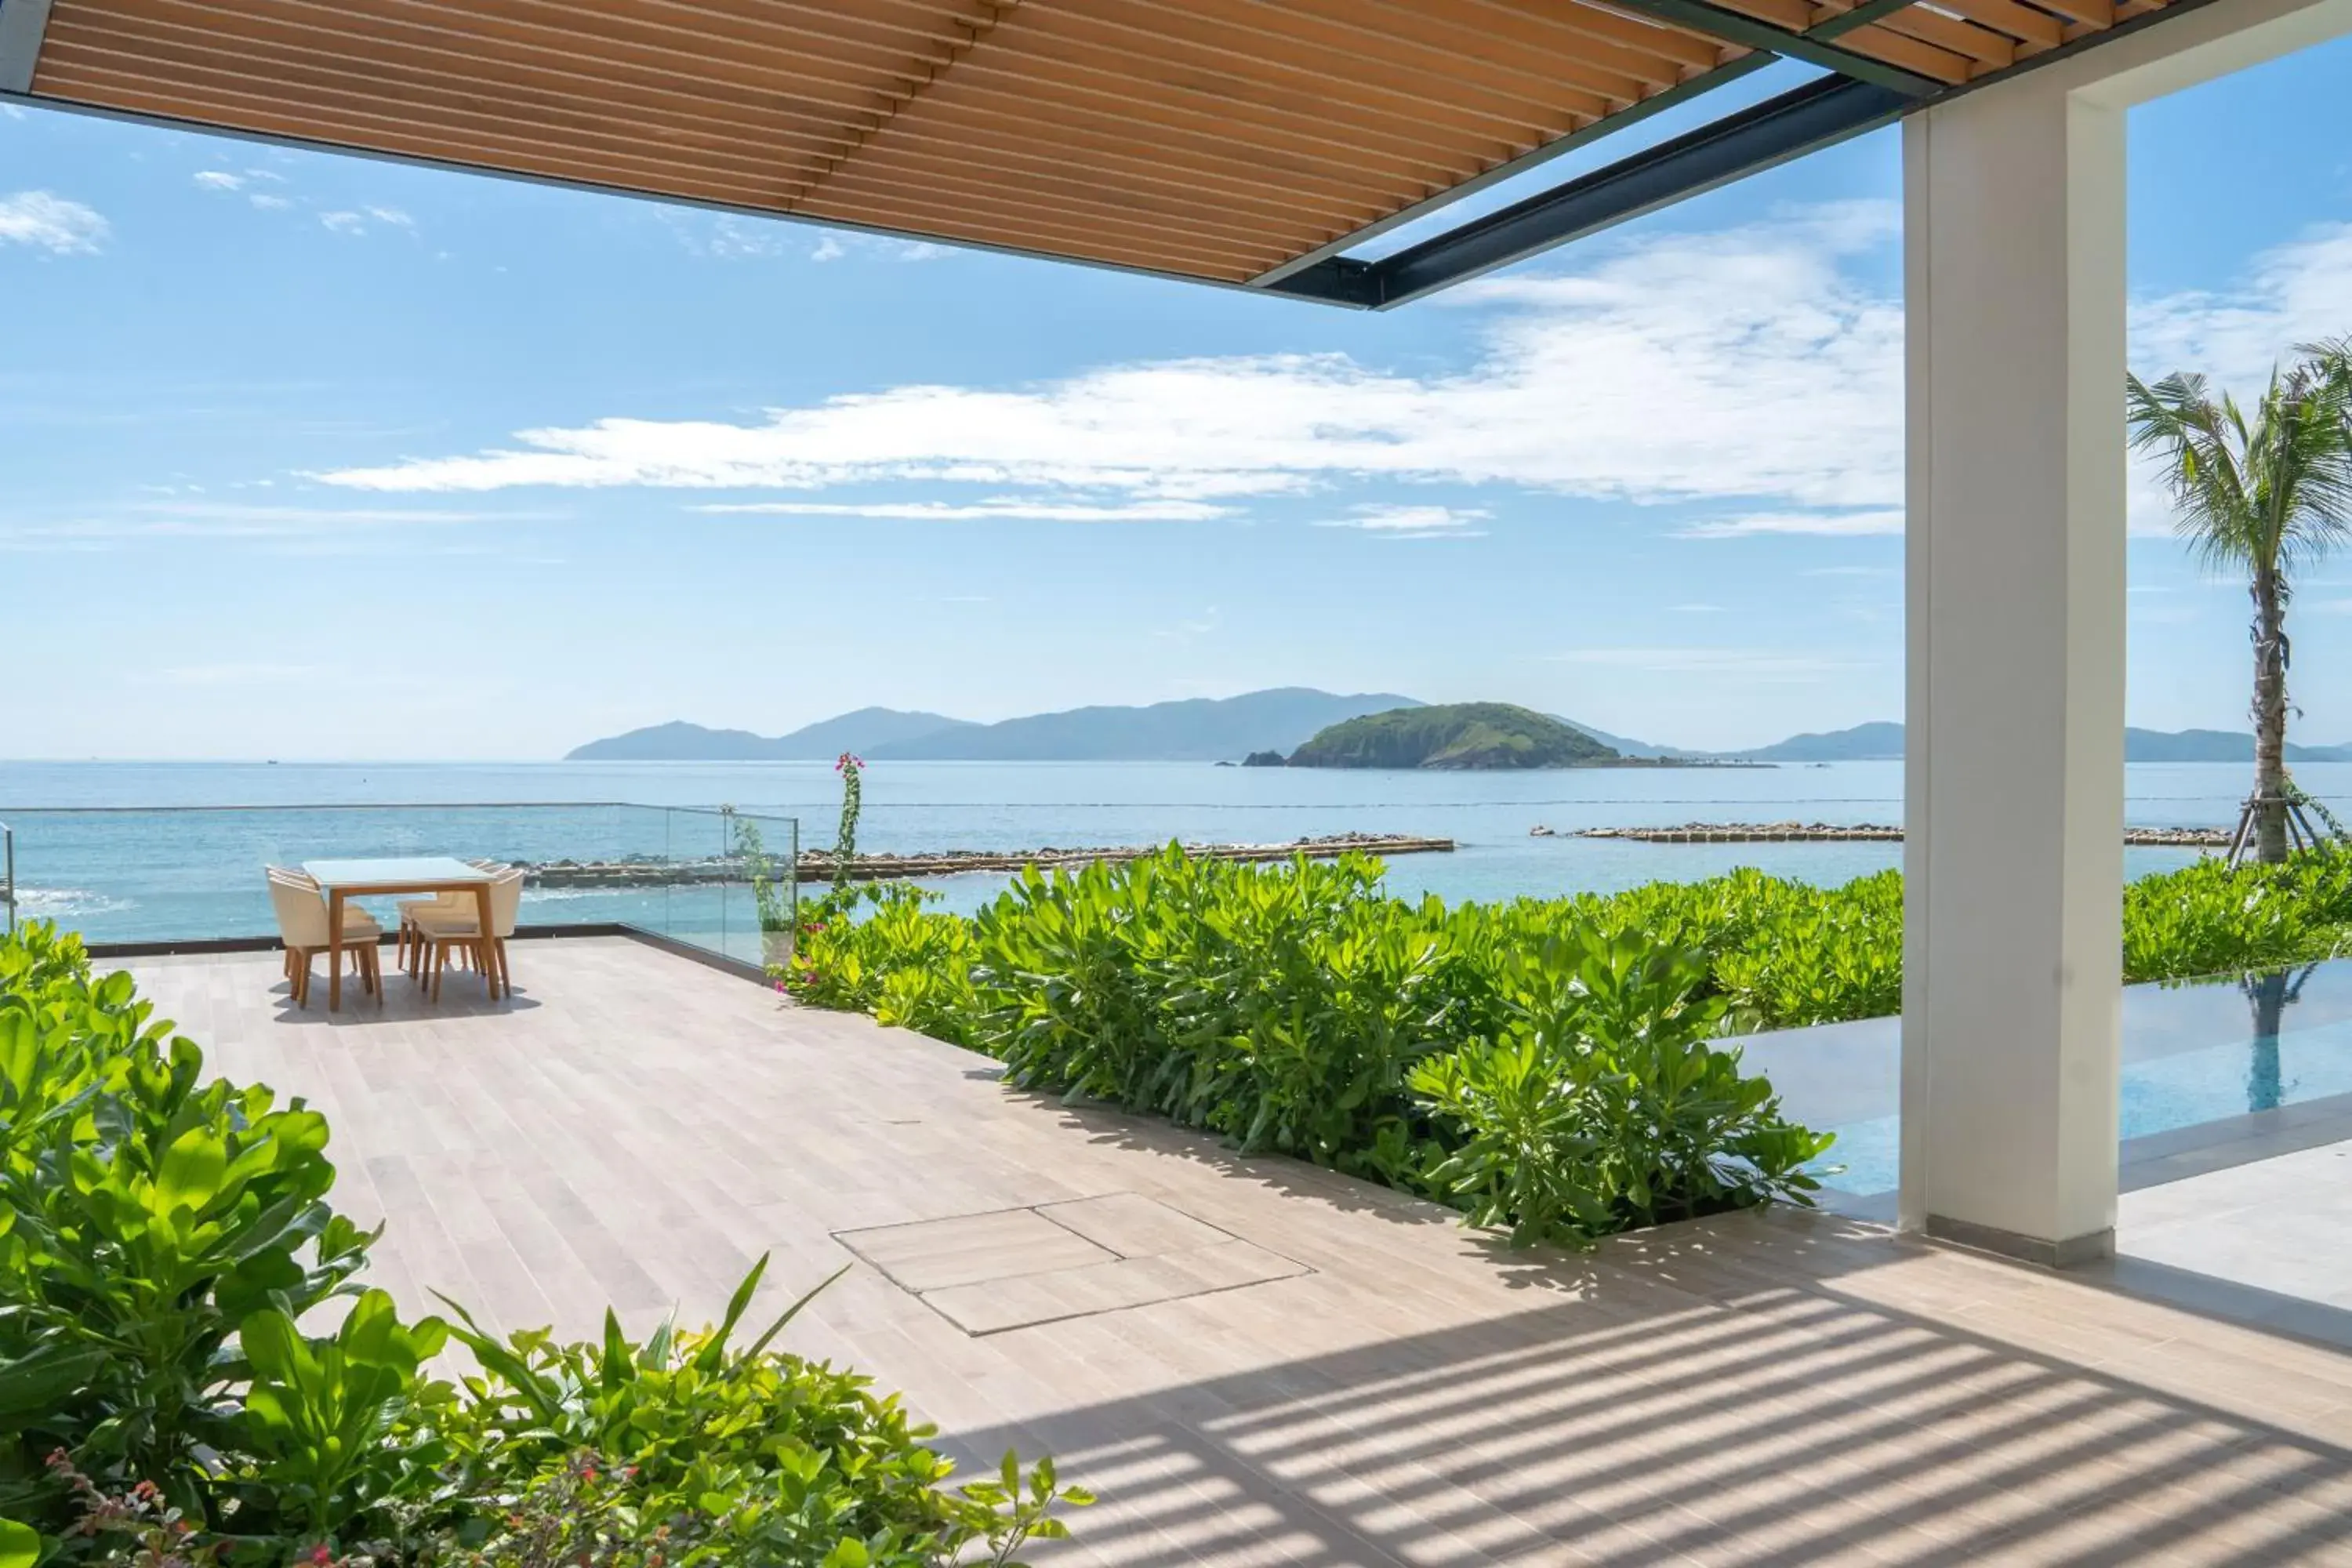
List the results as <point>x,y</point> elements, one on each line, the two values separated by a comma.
<point>1480,735</point>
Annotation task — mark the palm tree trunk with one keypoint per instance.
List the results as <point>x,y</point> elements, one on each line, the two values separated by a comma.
<point>2268,996</point>
<point>2270,719</point>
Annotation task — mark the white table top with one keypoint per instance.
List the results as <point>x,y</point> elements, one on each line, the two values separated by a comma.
<point>420,872</point>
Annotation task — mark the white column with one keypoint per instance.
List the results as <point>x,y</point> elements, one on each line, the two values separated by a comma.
<point>2013,235</point>
<point>2015,255</point>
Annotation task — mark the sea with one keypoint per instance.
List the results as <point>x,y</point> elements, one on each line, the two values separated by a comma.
<point>163,851</point>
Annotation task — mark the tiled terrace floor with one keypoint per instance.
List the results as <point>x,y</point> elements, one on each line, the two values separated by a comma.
<point>1257,1363</point>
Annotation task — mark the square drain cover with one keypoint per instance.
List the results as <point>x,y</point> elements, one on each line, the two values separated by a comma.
<point>1013,1268</point>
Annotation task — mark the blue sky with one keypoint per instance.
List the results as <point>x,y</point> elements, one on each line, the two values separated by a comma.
<point>313,456</point>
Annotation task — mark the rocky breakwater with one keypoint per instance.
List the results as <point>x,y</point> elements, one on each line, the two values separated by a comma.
<point>817,866</point>
<point>1857,833</point>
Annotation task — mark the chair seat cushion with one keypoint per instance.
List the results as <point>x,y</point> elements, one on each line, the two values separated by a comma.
<point>359,922</point>
<point>433,922</point>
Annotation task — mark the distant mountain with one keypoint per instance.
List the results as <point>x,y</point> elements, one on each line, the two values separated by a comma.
<point>1198,729</point>
<point>1454,735</point>
<point>866,730</point>
<point>1623,746</point>
<point>1884,741</point>
<point>2215,746</point>
<point>676,742</point>
<point>1863,742</point>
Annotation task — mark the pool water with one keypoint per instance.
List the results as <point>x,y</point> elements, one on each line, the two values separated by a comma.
<point>2193,1052</point>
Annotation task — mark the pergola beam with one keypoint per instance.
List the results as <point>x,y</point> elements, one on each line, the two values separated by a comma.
<point>1815,115</point>
<point>22,25</point>
<point>1813,47</point>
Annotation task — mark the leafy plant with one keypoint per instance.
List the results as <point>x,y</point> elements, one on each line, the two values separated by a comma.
<point>147,1213</point>
<point>1603,1105</point>
<point>163,1237</point>
<point>319,1414</point>
<point>686,1444</point>
<point>774,899</point>
<point>1296,1010</point>
<point>852,770</point>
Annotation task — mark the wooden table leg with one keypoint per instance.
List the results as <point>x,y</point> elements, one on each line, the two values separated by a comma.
<point>334,948</point>
<point>482,924</point>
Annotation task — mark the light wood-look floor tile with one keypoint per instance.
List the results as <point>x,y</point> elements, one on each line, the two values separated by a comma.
<point>1772,1388</point>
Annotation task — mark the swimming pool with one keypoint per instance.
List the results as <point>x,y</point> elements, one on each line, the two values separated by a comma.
<point>2194,1052</point>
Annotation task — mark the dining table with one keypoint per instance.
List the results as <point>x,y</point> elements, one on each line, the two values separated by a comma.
<point>343,879</point>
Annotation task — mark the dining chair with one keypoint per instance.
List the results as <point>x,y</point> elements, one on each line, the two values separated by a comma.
<point>460,930</point>
<point>301,910</point>
<point>459,901</point>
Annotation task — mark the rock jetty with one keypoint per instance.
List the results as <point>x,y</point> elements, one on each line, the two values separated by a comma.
<point>1858,833</point>
<point>816,866</point>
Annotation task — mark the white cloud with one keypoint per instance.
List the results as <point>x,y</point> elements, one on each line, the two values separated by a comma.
<point>345,222</point>
<point>1659,371</point>
<point>1836,524</point>
<point>2293,293</point>
<point>834,245</point>
<point>999,508</point>
<point>235,181</point>
<point>50,221</point>
<point>728,237</point>
<point>392,216</point>
<point>1413,522</point>
<point>156,522</point>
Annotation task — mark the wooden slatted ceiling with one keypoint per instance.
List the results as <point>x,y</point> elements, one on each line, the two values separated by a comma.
<point>1211,138</point>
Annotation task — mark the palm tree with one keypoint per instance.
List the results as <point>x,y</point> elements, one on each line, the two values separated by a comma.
<point>2266,494</point>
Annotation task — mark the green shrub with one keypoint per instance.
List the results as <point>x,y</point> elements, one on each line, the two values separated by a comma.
<point>161,1239</point>
<point>713,1453</point>
<point>2207,919</point>
<point>147,1214</point>
<point>1295,1009</point>
<point>1603,1104</point>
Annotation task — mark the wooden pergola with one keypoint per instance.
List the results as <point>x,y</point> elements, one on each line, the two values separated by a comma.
<point>1244,143</point>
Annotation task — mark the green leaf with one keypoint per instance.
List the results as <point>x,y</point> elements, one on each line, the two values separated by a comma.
<point>714,1349</point>
<point>191,1172</point>
<point>759,1346</point>
<point>20,1544</point>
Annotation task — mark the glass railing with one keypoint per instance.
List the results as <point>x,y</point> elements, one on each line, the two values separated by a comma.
<point>160,875</point>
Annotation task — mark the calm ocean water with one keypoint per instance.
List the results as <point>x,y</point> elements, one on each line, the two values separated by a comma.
<point>146,874</point>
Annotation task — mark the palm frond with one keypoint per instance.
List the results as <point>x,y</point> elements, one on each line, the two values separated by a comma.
<point>2265,489</point>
